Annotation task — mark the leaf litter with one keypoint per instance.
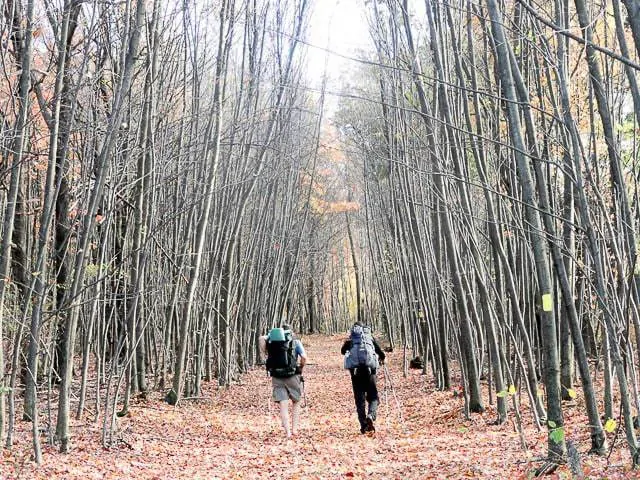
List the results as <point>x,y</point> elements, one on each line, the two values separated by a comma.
<point>234,433</point>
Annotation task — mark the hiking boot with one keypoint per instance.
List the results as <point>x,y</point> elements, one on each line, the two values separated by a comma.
<point>370,426</point>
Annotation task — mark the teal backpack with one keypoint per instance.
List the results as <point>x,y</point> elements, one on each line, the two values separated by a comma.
<point>281,355</point>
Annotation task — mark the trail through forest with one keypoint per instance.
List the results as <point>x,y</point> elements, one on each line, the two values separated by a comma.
<point>234,433</point>
<point>176,176</point>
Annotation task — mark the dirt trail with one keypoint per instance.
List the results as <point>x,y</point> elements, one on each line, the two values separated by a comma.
<point>234,434</point>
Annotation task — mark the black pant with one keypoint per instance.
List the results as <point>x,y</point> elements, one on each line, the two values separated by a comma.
<point>365,391</point>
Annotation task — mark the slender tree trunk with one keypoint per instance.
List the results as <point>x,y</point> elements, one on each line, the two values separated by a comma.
<point>212,134</point>
<point>88,223</point>
<point>620,200</point>
<point>556,443</point>
<point>453,254</point>
<point>633,18</point>
<point>356,271</point>
<point>26,56</point>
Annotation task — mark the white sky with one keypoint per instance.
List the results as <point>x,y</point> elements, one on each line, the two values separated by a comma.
<point>340,26</point>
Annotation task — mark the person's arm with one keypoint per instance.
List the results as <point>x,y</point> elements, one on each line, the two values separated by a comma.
<point>379,351</point>
<point>301,354</point>
<point>346,346</point>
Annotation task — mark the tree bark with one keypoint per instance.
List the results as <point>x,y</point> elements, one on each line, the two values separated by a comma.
<point>88,223</point>
<point>556,444</point>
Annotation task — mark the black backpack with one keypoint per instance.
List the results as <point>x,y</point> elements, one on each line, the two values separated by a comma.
<point>281,354</point>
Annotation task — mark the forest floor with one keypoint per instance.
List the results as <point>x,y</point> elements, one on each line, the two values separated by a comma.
<point>234,433</point>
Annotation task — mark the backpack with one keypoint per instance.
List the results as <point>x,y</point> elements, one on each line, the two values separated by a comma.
<point>281,353</point>
<point>362,352</point>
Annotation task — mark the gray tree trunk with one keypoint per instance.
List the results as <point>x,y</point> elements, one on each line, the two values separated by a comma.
<point>556,444</point>
<point>88,223</point>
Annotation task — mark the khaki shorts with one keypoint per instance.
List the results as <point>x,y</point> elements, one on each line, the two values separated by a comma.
<point>286,388</point>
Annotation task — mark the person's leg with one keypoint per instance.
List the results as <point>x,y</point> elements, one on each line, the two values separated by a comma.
<point>295,414</point>
<point>294,392</point>
<point>284,417</point>
<point>281,396</point>
<point>372,397</point>
<point>359,397</point>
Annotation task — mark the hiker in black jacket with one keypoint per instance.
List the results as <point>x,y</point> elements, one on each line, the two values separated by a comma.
<point>363,379</point>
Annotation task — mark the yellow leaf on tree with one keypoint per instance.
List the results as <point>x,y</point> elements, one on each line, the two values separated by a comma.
<point>571,392</point>
<point>512,390</point>
<point>547,302</point>
<point>610,425</point>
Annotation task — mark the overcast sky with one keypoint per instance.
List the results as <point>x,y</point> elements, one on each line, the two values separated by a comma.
<point>341,26</point>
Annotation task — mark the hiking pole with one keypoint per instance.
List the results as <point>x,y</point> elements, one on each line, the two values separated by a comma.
<point>393,391</point>
<point>268,396</point>
<point>304,391</point>
<point>386,396</point>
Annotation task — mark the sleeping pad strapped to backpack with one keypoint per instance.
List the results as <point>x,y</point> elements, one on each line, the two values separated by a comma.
<point>362,352</point>
<point>281,354</point>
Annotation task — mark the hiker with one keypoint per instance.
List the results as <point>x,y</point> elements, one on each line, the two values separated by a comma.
<point>285,360</point>
<point>362,357</point>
